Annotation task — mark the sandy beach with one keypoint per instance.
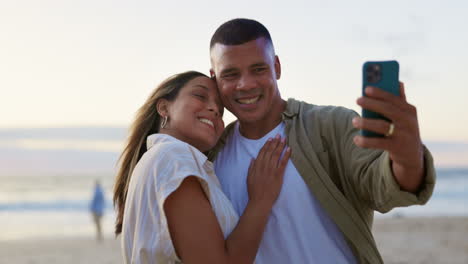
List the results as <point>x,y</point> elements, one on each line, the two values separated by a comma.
<point>423,240</point>
<point>400,240</point>
<point>61,250</point>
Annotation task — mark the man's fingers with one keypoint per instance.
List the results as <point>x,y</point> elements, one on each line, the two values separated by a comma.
<point>374,125</point>
<point>403,116</point>
<point>382,95</point>
<point>376,92</point>
<point>384,108</point>
<point>402,91</point>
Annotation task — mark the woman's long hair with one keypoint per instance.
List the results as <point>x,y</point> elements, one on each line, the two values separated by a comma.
<point>147,122</point>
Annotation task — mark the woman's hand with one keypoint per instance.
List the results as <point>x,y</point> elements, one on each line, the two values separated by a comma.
<point>266,172</point>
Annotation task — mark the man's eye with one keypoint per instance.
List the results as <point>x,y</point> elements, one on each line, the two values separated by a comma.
<point>229,75</point>
<point>261,69</point>
<point>200,96</point>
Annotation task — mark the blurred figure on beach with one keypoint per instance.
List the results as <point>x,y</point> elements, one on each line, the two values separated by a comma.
<point>97,208</point>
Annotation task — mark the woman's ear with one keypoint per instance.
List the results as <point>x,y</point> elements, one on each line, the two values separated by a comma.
<point>162,106</point>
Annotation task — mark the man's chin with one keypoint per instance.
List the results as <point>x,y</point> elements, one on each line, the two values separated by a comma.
<point>248,117</point>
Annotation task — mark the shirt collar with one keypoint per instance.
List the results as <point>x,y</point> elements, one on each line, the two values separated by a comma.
<point>154,139</point>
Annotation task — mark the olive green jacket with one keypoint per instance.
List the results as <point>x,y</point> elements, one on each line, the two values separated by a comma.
<point>350,182</point>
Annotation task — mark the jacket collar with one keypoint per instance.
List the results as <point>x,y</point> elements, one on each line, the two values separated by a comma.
<point>292,109</point>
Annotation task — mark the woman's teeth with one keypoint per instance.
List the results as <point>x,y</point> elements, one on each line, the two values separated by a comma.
<point>206,121</point>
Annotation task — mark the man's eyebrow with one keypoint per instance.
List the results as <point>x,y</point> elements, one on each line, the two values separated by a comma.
<point>233,69</point>
<point>228,70</point>
<point>262,64</point>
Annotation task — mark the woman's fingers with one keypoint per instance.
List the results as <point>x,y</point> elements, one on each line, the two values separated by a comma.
<point>272,155</point>
<point>263,150</point>
<point>266,172</point>
<point>276,153</point>
<point>284,160</point>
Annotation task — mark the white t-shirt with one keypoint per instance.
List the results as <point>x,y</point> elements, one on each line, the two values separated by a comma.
<point>160,171</point>
<point>298,229</point>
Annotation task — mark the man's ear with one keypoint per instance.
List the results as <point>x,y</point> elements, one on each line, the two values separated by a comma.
<point>212,74</point>
<point>277,67</point>
<point>162,106</point>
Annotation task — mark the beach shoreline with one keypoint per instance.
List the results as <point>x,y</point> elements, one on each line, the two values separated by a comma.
<point>399,239</point>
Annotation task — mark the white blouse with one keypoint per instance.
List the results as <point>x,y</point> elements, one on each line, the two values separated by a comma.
<point>160,171</point>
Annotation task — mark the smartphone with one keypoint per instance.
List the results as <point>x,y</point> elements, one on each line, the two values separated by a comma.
<point>384,75</point>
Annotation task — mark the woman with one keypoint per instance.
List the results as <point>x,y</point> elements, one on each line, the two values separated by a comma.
<point>170,204</point>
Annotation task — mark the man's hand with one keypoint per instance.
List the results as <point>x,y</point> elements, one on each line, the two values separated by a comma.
<point>404,144</point>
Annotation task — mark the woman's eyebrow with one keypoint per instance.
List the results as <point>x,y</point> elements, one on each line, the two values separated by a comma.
<point>202,86</point>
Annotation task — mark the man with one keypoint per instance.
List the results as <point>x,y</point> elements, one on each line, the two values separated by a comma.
<point>335,178</point>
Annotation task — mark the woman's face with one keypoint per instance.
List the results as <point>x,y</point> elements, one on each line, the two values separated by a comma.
<point>195,116</point>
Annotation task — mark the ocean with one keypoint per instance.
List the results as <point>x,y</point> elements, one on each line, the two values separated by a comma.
<point>50,206</point>
<point>47,178</point>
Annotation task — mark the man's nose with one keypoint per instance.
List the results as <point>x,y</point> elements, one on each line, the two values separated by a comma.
<point>246,82</point>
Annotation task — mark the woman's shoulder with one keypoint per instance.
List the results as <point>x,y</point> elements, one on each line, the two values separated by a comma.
<point>163,142</point>
<point>165,151</point>
<point>166,147</point>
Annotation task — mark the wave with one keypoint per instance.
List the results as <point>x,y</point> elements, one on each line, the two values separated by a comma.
<point>59,205</point>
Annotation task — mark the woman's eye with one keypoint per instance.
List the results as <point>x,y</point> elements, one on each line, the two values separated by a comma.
<point>200,96</point>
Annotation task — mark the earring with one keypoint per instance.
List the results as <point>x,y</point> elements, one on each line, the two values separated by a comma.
<point>164,122</point>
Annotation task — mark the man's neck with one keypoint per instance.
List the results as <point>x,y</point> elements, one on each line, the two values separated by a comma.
<point>259,128</point>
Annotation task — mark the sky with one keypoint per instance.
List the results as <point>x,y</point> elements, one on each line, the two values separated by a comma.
<point>93,63</point>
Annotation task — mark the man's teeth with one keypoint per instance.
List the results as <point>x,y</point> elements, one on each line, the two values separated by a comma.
<point>248,101</point>
<point>206,121</point>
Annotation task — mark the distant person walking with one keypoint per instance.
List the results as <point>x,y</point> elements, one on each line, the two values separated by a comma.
<point>97,208</point>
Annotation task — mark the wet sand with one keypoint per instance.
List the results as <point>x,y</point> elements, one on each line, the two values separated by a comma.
<point>400,240</point>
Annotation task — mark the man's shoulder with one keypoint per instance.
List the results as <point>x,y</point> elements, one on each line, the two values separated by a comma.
<point>308,111</point>
<point>228,131</point>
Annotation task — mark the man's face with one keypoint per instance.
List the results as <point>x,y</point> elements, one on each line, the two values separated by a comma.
<point>246,75</point>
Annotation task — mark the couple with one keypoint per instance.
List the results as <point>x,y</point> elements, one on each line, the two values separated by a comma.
<point>290,182</point>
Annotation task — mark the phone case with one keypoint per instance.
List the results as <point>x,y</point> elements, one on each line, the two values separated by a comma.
<point>384,75</point>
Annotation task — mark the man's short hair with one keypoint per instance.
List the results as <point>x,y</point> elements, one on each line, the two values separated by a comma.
<point>239,31</point>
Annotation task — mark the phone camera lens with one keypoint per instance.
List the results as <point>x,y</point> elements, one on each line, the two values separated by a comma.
<point>373,73</point>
